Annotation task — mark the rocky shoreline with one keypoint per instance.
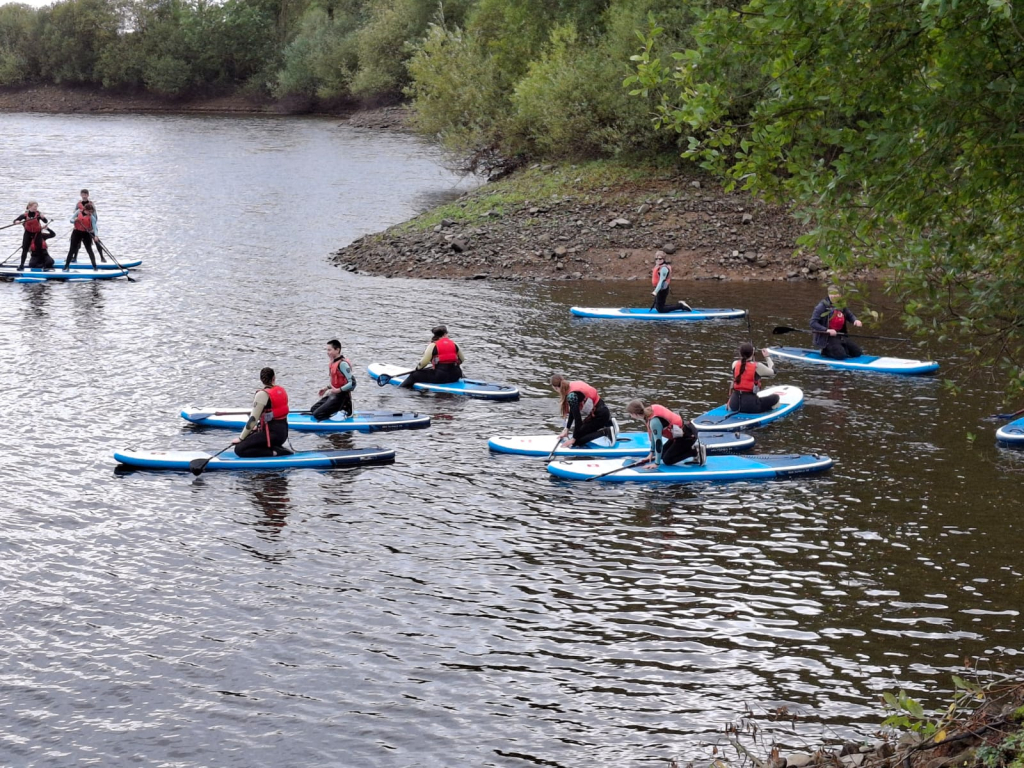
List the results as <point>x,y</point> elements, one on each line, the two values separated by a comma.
<point>591,231</point>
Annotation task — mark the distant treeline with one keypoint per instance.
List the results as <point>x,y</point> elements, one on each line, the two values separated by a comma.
<point>487,76</point>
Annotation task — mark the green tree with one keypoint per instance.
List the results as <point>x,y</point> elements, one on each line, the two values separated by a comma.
<point>894,129</point>
<point>18,40</point>
<point>72,35</point>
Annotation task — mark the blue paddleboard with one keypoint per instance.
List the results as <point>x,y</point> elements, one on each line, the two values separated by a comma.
<point>9,268</point>
<point>228,459</point>
<point>38,275</point>
<point>479,389</point>
<point>360,421</point>
<point>863,363</point>
<point>627,444</point>
<point>1012,433</point>
<point>721,468</point>
<point>790,398</point>
<point>631,313</point>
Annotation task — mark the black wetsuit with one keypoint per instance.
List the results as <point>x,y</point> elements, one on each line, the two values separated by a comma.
<point>672,450</point>
<point>583,430</point>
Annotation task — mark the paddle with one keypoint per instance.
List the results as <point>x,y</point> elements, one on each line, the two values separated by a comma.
<point>208,414</point>
<point>641,463</point>
<point>552,454</point>
<point>11,225</point>
<point>196,466</point>
<point>103,248</point>
<point>1013,415</point>
<point>384,379</point>
<point>780,329</point>
<point>16,250</point>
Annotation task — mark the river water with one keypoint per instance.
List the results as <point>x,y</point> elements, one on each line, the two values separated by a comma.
<point>455,608</point>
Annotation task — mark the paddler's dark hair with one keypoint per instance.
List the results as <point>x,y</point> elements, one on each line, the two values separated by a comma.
<point>438,331</point>
<point>746,354</point>
<point>334,344</point>
<point>267,375</point>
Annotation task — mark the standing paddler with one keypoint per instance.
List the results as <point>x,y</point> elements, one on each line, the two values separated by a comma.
<point>32,220</point>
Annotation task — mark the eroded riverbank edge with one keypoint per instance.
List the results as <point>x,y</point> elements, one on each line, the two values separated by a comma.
<point>602,220</point>
<point>53,99</point>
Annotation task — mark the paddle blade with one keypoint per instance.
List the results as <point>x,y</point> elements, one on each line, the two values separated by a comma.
<point>196,466</point>
<point>383,380</point>
<point>778,330</point>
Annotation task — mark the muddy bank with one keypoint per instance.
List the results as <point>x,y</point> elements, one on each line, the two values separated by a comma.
<point>57,100</point>
<point>591,228</point>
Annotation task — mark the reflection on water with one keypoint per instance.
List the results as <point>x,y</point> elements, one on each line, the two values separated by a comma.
<point>457,607</point>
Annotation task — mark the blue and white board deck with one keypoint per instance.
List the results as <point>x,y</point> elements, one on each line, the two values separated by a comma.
<point>126,264</point>
<point>628,444</point>
<point>11,269</point>
<point>720,468</point>
<point>637,313</point>
<point>1012,433</point>
<point>863,363</point>
<point>40,275</point>
<point>790,398</point>
<point>228,460</point>
<point>479,389</point>
<point>360,421</point>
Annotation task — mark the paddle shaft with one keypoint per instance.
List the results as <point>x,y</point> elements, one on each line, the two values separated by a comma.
<point>385,378</point>
<point>239,413</point>
<point>619,469</point>
<point>16,250</point>
<point>196,466</point>
<point>103,248</point>
<point>552,454</point>
<point>780,329</point>
<point>1013,415</point>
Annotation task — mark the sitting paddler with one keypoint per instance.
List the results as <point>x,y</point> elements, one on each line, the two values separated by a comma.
<point>586,415</point>
<point>829,323</point>
<point>266,430</point>
<point>673,439</point>
<point>83,232</point>
<point>746,382</point>
<point>41,258</point>
<point>337,398</point>
<point>441,361</point>
<point>661,278</point>
<point>32,220</point>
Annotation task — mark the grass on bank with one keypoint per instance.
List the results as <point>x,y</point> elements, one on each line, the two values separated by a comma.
<point>539,184</point>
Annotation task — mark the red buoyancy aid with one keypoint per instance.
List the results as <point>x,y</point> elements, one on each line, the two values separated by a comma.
<point>837,320</point>
<point>663,413</point>
<point>37,243</point>
<point>33,222</point>
<point>278,404</point>
<point>445,352</point>
<point>83,222</point>
<point>655,277</point>
<point>748,382</point>
<point>586,390</point>
<point>338,379</point>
